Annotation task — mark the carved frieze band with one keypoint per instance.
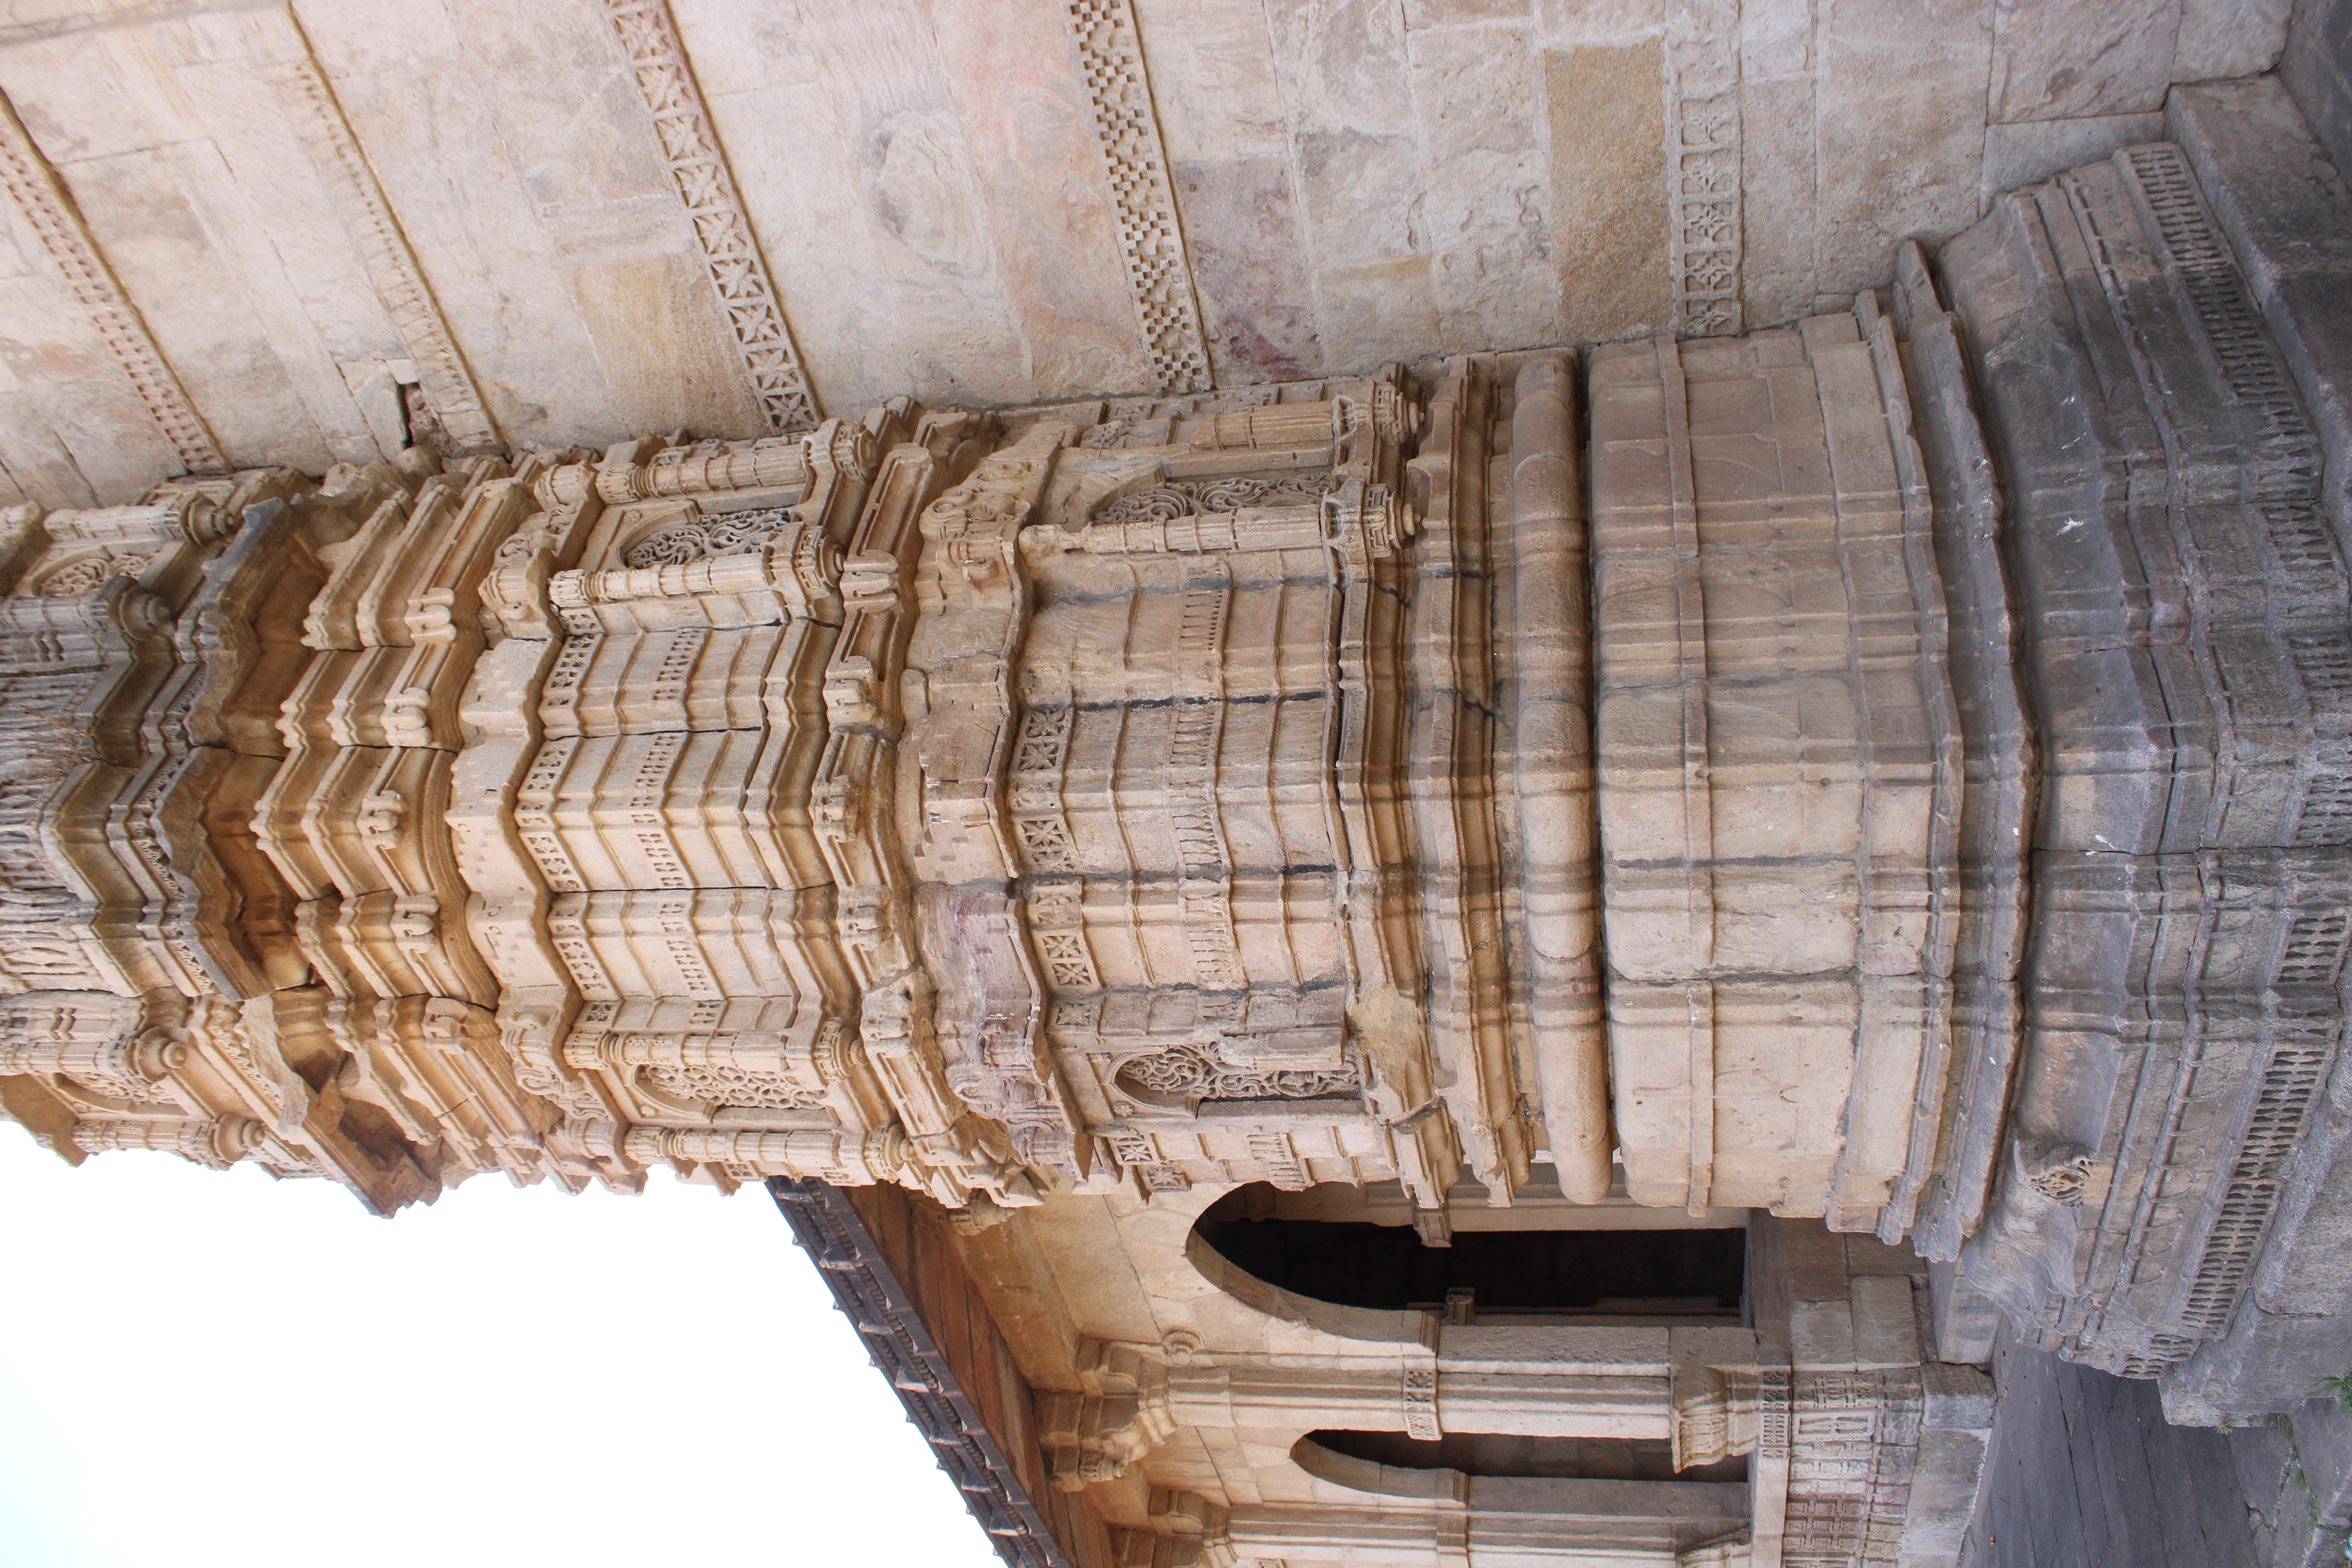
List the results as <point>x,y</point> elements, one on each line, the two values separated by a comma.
<point>1702,165</point>
<point>747,296</point>
<point>1111,62</point>
<point>41,196</point>
<point>318,123</point>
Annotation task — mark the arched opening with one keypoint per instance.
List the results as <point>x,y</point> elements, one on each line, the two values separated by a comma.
<point>1686,1274</point>
<point>1503,1455</point>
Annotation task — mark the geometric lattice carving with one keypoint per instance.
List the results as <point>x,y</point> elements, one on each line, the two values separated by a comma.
<point>84,575</point>
<point>1187,497</point>
<point>747,296</point>
<point>1110,60</point>
<point>2248,362</point>
<point>723,1085</point>
<point>2297,1072</point>
<point>734,533</point>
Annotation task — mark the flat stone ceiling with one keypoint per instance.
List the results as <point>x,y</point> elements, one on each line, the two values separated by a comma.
<point>236,229</point>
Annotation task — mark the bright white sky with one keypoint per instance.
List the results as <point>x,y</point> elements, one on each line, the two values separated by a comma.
<point>222,1371</point>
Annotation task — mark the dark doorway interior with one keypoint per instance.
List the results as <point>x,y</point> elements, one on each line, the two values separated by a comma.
<point>1557,1458</point>
<point>1636,1273</point>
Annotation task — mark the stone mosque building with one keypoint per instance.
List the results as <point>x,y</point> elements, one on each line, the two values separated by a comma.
<point>1439,781</point>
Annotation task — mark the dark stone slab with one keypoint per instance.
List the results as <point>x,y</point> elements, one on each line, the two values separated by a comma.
<point>2316,67</point>
<point>2295,1473</point>
<point>2083,1472</point>
<point>2188,664</point>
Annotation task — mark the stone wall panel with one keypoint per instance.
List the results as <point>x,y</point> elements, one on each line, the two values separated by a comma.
<point>1221,120</point>
<point>1605,235</point>
<point>1486,209</point>
<point>1901,142</point>
<point>1348,94</point>
<point>2068,61</point>
<point>2229,37</point>
<point>1024,108</point>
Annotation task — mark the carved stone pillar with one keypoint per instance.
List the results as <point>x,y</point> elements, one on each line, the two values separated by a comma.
<point>1769,622</point>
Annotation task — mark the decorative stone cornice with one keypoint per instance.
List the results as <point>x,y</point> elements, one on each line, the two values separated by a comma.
<point>870,1294</point>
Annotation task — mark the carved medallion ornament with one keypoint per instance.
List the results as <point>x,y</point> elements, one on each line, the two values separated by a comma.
<point>732,533</point>
<point>1193,1073</point>
<point>1191,497</point>
<point>84,573</point>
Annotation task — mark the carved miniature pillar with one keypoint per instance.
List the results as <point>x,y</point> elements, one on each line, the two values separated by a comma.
<point>132,1064</point>
<point>841,1158</point>
<point>1270,426</point>
<point>763,586</point>
<point>219,1143</point>
<point>73,1062</point>
<point>706,467</point>
<point>190,515</point>
<point>1202,533</point>
<point>84,624</point>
